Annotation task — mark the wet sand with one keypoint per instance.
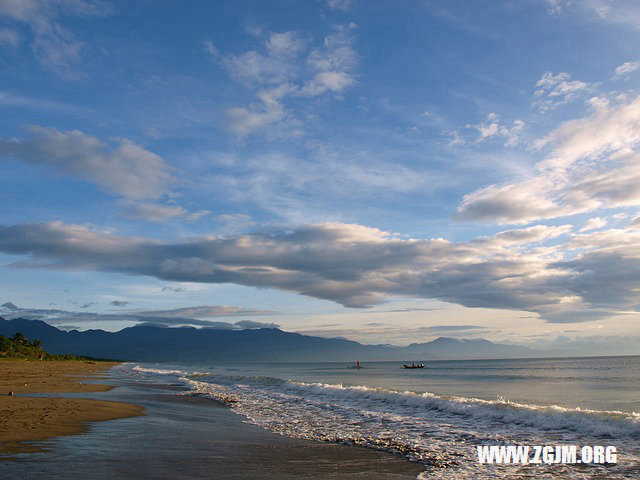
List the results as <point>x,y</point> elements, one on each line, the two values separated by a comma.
<point>31,419</point>
<point>184,436</point>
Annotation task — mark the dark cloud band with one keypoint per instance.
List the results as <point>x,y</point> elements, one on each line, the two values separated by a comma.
<point>359,266</point>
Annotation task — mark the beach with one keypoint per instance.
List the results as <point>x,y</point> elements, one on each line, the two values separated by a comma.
<point>314,420</point>
<point>179,435</point>
<point>31,419</point>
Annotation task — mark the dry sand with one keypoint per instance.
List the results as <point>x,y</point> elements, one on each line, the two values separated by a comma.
<point>38,418</point>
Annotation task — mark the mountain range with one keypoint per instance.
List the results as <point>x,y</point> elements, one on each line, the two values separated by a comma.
<point>192,345</point>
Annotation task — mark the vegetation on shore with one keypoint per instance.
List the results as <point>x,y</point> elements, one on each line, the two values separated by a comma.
<point>19,347</point>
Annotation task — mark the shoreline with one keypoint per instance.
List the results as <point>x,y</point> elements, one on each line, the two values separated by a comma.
<point>190,436</point>
<point>27,420</point>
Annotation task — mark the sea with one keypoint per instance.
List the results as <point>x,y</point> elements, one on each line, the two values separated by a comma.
<point>439,415</point>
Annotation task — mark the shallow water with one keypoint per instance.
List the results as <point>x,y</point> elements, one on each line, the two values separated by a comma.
<point>439,415</point>
<point>190,437</point>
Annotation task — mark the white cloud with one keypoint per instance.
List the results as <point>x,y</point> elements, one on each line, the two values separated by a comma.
<point>211,49</point>
<point>55,47</point>
<point>340,4</point>
<point>9,37</point>
<point>524,236</point>
<point>454,138</point>
<point>626,69</point>
<point>555,7</point>
<point>593,224</point>
<point>511,203</point>
<point>124,168</point>
<point>121,167</point>
<point>622,12</point>
<point>333,63</point>
<point>617,12</point>
<point>609,130</point>
<point>244,120</point>
<point>591,165</point>
<point>327,81</point>
<point>278,63</point>
<point>286,44</point>
<point>193,216</point>
<point>493,128</point>
<point>253,68</point>
<point>281,72</point>
<point>154,212</point>
<point>555,90</point>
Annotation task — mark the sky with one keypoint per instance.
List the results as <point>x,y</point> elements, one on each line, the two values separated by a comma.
<point>383,171</point>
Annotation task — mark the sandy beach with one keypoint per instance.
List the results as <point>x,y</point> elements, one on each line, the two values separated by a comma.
<point>29,419</point>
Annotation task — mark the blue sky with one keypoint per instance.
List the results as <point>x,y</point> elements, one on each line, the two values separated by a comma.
<point>362,169</point>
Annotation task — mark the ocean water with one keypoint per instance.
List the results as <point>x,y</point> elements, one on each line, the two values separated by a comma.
<point>438,415</point>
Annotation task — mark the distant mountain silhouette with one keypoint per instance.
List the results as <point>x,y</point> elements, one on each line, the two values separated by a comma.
<point>192,345</point>
<point>477,348</point>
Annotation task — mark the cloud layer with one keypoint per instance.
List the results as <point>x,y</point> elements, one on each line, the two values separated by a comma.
<point>201,316</point>
<point>359,266</point>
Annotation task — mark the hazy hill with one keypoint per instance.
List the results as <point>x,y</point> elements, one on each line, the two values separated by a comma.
<point>187,344</point>
<point>477,348</point>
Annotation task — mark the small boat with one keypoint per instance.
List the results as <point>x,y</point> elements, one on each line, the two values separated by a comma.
<point>413,365</point>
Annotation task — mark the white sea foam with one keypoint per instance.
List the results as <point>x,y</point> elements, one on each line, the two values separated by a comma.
<point>158,371</point>
<point>441,432</point>
<point>552,417</point>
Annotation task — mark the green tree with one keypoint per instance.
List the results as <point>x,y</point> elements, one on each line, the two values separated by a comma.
<point>5,344</point>
<point>20,339</point>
